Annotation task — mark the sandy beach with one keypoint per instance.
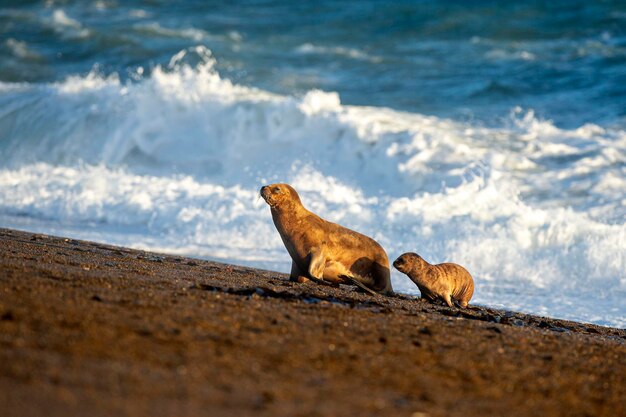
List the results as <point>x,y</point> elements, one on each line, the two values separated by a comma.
<point>92,329</point>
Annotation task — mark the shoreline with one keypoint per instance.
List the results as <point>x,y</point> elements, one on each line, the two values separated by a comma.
<point>98,329</point>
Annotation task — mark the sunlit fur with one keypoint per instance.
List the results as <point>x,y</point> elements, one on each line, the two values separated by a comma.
<point>447,281</point>
<point>324,250</point>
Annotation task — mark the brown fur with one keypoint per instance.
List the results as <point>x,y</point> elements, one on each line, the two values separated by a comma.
<point>321,250</point>
<point>445,281</point>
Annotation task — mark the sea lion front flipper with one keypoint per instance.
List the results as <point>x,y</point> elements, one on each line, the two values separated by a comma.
<point>459,304</point>
<point>317,261</point>
<point>448,300</point>
<point>296,274</point>
<point>317,264</point>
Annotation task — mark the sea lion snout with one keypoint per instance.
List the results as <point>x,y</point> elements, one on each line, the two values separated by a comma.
<point>398,262</point>
<point>279,196</point>
<point>266,193</point>
<point>263,192</point>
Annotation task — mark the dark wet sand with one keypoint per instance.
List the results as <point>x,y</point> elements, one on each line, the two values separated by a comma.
<point>93,330</point>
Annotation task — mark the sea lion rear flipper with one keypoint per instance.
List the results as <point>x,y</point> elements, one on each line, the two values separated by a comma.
<point>360,285</point>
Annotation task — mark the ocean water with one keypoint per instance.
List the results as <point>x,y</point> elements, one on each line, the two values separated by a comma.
<point>492,134</point>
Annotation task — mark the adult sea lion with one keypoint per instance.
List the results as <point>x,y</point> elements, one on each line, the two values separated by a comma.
<point>325,251</point>
<point>448,282</point>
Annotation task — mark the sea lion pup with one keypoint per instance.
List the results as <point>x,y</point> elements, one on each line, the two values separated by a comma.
<point>325,251</point>
<point>448,282</point>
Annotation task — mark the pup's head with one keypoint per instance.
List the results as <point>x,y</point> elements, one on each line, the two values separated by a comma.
<point>279,196</point>
<point>407,261</point>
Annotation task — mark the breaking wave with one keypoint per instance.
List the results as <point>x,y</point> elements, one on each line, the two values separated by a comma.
<point>173,161</point>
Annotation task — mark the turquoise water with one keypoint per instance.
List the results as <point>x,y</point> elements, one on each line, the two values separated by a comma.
<point>492,134</point>
<point>564,59</point>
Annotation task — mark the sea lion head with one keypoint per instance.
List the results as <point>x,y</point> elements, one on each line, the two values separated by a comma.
<point>407,261</point>
<point>280,196</point>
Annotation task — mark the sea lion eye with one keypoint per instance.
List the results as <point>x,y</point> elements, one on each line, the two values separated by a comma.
<point>276,190</point>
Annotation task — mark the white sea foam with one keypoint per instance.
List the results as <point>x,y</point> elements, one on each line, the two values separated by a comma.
<point>67,26</point>
<point>138,13</point>
<point>311,49</point>
<point>498,54</point>
<point>600,46</point>
<point>174,162</point>
<point>154,28</point>
<point>21,49</point>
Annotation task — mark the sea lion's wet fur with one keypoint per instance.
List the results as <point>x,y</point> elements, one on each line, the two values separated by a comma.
<point>322,250</point>
<point>447,281</point>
